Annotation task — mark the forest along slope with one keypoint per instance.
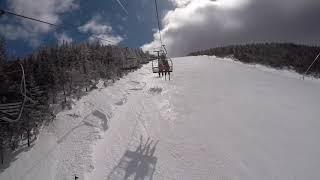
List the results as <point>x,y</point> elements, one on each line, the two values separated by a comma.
<point>215,119</point>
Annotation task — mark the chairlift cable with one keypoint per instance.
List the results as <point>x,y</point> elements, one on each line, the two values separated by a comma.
<point>122,6</point>
<point>305,73</point>
<point>26,17</point>
<point>155,1</point>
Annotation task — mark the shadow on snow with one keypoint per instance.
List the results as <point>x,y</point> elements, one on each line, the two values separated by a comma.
<point>138,165</point>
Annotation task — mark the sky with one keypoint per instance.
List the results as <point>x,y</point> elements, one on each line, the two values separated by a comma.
<point>186,25</point>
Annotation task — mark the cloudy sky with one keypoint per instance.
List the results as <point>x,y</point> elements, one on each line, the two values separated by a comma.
<point>186,25</point>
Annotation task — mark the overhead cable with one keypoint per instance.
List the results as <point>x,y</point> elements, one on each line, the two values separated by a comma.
<point>155,1</point>
<point>305,73</point>
<point>122,6</point>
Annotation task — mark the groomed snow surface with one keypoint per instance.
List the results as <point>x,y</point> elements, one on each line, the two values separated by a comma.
<point>216,119</point>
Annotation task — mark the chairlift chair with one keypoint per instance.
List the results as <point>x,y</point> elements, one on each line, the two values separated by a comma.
<point>159,60</point>
<point>12,111</point>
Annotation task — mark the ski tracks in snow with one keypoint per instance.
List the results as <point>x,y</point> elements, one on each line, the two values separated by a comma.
<point>213,120</point>
<point>129,148</point>
<point>93,116</point>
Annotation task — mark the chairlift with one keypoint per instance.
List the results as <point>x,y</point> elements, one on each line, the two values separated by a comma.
<point>159,62</point>
<point>11,111</point>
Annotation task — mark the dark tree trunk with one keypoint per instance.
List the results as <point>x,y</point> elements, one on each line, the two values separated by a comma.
<point>1,151</point>
<point>64,93</point>
<point>12,143</point>
<point>53,97</point>
<point>70,85</point>
<point>28,134</point>
<point>28,130</point>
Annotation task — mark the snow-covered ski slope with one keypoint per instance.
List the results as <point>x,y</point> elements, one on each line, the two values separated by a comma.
<point>216,119</point>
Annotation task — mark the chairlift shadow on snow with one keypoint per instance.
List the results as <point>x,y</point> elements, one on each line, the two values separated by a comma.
<point>138,165</point>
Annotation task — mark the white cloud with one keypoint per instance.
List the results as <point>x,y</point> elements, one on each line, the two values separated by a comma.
<point>95,26</point>
<point>200,24</point>
<point>47,10</point>
<point>100,32</point>
<point>180,3</point>
<point>114,39</point>
<point>63,37</point>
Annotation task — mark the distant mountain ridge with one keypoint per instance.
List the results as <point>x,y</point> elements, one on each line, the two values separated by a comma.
<point>276,55</point>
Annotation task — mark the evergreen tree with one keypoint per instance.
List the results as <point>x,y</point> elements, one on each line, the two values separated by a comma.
<point>55,75</point>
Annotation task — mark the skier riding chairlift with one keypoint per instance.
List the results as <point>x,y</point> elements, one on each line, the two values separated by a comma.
<point>164,67</point>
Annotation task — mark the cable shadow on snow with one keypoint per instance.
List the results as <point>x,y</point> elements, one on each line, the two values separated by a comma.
<point>83,123</point>
<point>10,156</point>
<point>59,141</point>
<point>22,146</point>
<point>95,113</point>
<point>138,165</point>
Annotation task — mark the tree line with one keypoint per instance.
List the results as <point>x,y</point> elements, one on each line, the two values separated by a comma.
<point>276,55</point>
<point>56,75</point>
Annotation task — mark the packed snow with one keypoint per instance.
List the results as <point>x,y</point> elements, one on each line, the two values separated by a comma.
<point>215,119</point>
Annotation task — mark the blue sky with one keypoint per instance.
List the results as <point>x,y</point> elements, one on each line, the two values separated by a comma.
<point>135,28</point>
<point>186,25</point>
